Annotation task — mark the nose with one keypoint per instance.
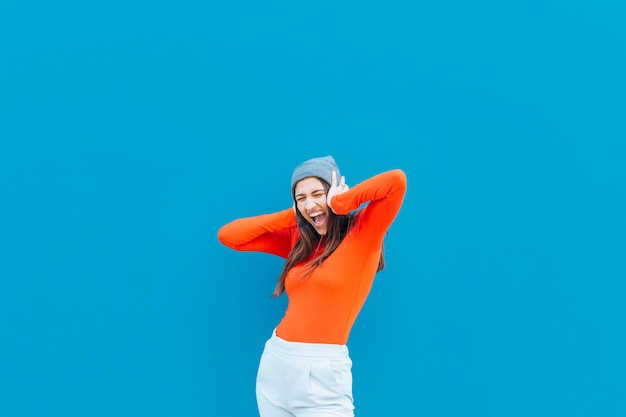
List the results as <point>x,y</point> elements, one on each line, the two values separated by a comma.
<point>309,203</point>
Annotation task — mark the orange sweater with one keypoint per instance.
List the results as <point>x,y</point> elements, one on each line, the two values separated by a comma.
<point>323,307</point>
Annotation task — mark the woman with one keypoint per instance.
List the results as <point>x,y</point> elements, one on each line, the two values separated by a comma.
<point>332,240</point>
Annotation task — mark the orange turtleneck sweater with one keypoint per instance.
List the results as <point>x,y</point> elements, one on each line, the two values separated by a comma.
<point>323,306</point>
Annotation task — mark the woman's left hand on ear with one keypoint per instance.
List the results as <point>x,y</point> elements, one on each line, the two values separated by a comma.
<point>336,188</point>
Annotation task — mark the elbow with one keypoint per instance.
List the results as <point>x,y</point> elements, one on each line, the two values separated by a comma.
<point>400,174</point>
<point>399,178</point>
<point>222,236</point>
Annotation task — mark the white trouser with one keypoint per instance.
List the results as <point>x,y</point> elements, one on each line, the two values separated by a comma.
<point>304,380</point>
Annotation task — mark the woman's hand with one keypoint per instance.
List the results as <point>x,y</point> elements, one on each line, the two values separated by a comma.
<point>336,188</point>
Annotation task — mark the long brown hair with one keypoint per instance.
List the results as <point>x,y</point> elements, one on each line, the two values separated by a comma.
<point>337,228</point>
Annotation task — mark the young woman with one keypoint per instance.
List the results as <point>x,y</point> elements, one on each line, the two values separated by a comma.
<point>332,240</point>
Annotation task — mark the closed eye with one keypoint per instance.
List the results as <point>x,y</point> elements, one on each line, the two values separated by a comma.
<point>314,194</point>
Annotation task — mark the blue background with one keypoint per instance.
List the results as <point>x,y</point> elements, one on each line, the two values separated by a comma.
<point>130,131</point>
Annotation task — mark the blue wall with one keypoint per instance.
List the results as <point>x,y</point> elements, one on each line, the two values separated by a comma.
<point>130,131</point>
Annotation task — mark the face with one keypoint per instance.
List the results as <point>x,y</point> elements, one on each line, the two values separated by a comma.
<point>310,197</point>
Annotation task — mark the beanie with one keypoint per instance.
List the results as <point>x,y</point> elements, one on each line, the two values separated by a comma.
<point>317,167</point>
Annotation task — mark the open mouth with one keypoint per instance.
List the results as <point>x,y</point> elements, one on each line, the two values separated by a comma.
<point>318,219</point>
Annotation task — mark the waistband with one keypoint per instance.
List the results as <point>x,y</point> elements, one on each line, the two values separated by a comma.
<point>308,349</point>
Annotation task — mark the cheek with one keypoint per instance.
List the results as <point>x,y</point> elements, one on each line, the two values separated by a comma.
<point>322,202</point>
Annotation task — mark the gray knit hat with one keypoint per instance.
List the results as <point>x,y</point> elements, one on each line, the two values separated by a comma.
<point>317,167</point>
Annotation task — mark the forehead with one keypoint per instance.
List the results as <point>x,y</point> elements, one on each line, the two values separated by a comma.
<point>308,185</point>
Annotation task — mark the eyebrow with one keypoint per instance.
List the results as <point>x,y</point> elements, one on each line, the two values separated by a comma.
<point>312,192</point>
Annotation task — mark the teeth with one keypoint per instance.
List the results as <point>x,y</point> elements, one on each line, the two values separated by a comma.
<point>316,214</point>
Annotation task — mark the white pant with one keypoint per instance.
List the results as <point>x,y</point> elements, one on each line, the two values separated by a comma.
<point>304,380</point>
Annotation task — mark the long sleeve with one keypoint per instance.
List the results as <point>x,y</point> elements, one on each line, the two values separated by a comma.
<point>384,194</point>
<point>270,233</point>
